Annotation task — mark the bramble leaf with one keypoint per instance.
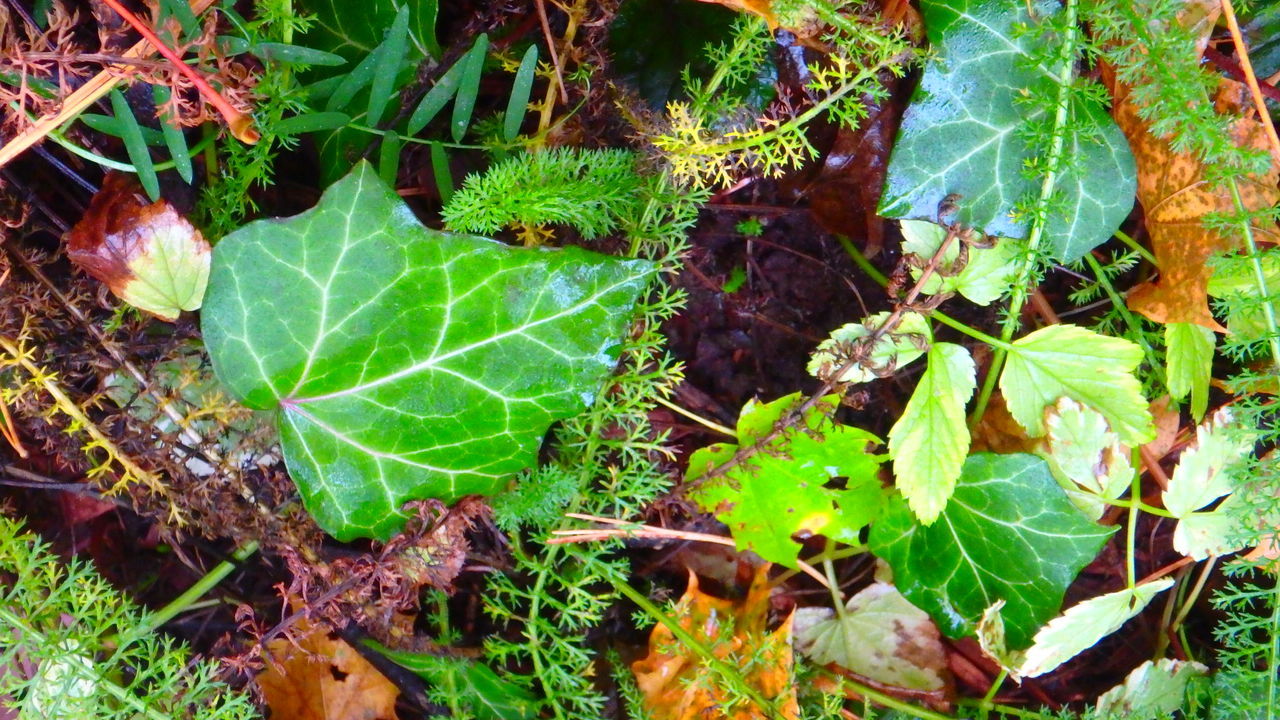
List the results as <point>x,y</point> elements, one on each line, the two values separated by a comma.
<point>406,363</point>
<point>964,133</point>
<point>1150,690</point>
<point>1205,473</point>
<point>1092,369</point>
<point>929,442</point>
<point>781,490</point>
<point>1008,533</point>
<point>1085,457</point>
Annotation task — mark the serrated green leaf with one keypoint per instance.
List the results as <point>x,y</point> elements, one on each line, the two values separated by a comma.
<point>879,636</point>
<point>965,133</point>
<point>780,491</point>
<point>520,91</point>
<point>1205,472</point>
<point>1151,690</point>
<point>1189,363</point>
<point>1008,533</point>
<point>1084,624</point>
<point>891,351</point>
<point>929,442</point>
<point>403,362</point>
<point>1085,457</point>
<point>1093,369</point>
<point>986,276</point>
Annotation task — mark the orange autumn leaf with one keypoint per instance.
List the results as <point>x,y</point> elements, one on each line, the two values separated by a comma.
<point>324,678</point>
<point>675,680</point>
<point>1176,196</point>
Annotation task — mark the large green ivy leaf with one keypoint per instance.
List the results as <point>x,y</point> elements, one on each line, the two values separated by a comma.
<point>965,132</point>
<point>1009,533</point>
<point>403,362</point>
<point>782,490</point>
<point>1093,369</point>
<point>929,442</point>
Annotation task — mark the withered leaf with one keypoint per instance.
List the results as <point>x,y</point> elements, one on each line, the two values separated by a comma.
<point>324,678</point>
<point>148,254</point>
<point>1176,196</point>
<point>678,685</point>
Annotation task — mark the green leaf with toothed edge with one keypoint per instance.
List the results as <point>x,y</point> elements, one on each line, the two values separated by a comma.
<point>406,363</point>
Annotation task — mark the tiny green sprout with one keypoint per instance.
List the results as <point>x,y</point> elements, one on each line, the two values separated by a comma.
<point>751,227</point>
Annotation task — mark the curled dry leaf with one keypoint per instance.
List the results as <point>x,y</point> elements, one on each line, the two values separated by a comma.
<point>1177,196</point>
<point>323,678</point>
<point>677,682</point>
<point>148,254</point>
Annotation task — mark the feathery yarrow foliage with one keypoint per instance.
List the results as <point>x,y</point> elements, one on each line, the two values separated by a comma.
<point>74,647</point>
<point>586,189</point>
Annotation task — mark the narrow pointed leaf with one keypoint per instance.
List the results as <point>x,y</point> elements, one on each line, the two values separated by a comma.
<point>520,91</point>
<point>390,55</point>
<point>929,442</point>
<point>136,147</point>
<point>174,139</point>
<point>1008,533</point>
<point>436,98</point>
<point>469,87</point>
<point>405,363</point>
<point>1189,363</point>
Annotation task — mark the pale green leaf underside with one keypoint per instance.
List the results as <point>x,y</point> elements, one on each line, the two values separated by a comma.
<point>1092,369</point>
<point>407,363</point>
<point>1009,533</point>
<point>965,133</point>
<point>1189,363</point>
<point>1150,690</point>
<point>1084,624</point>
<point>929,442</point>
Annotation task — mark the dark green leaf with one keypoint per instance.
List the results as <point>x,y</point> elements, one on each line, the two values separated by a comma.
<point>352,31</point>
<point>135,146</point>
<point>390,54</point>
<point>402,362</point>
<point>1009,533</point>
<point>469,86</point>
<point>520,91</point>
<point>352,83</point>
<point>174,139</point>
<point>653,41</point>
<point>965,133</point>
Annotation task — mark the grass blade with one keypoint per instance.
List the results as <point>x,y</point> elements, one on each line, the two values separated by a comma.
<point>520,92</point>
<point>174,139</point>
<point>390,54</point>
<point>469,86</point>
<point>131,133</point>
<point>312,122</point>
<point>353,83</point>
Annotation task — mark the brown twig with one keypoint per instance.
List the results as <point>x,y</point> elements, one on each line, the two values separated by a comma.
<point>794,415</point>
<point>636,530</point>
<point>83,97</point>
<point>241,125</point>
<point>1242,52</point>
<point>551,46</point>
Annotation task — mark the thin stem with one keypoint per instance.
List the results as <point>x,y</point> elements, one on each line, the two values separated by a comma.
<point>198,590</point>
<point>1135,246</point>
<point>1131,532</point>
<point>1259,274</point>
<point>1119,304</point>
<point>1194,594</point>
<point>695,417</point>
<point>1139,505</point>
<point>995,687</point>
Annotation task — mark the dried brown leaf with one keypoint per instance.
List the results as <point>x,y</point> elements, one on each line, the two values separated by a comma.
<point>324,678</point>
